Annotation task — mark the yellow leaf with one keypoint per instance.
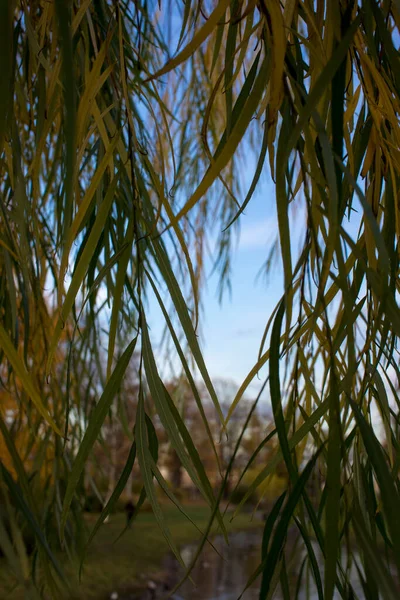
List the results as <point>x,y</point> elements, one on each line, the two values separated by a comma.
<point>20,370</point>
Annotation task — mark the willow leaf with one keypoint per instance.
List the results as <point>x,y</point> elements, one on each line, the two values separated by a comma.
<point>20,370</point>
<point>96,421</point>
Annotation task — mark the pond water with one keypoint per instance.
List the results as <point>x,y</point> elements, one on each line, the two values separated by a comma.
<point>221,576</point>
<point>225,577</point>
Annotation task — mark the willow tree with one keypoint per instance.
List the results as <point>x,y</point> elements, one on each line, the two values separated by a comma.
<point>122,126</point>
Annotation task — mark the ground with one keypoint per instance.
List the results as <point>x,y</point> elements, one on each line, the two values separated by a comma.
<point>135,558</point>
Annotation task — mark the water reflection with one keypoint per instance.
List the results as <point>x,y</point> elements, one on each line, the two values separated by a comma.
<point>225,577</point>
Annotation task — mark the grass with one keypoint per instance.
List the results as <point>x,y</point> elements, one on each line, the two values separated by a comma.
<point>138,555</point>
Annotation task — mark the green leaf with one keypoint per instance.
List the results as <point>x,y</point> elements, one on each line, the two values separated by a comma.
<point>163,405</point>
<point>6,65</point>
<point>185,365</point>
<point>196,42</point>
<point>182,312</point>
<point>267,533</point>
<point>278,541</point>
<point>333,486</point>
<point>119,488</point>
<point>388,489</point>
<point>64,27</point>
<point>18,497</point>
<point>275,390</point>
<point>374,564</point>
<point>232,142</point>
<point>312,558</point>
<point>95,423</point>
<point>144,458</point>
<point>293,442</point>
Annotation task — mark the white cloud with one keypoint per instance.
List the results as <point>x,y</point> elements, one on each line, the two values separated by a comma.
<point>258,234</point>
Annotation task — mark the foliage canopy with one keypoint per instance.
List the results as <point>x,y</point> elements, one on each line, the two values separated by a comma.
<point>122,127</point>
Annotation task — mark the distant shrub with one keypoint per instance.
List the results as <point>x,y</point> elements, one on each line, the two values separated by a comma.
<point>146,507</point>
<point>240,492</point>
<point>270,489</point>
<point>92,504</point>
<point>181,494</point>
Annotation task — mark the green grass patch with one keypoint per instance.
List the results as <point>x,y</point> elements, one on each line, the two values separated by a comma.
<point>139,552</point>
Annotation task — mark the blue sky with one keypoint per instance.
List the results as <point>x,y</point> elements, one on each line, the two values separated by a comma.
<point>232,330</point>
